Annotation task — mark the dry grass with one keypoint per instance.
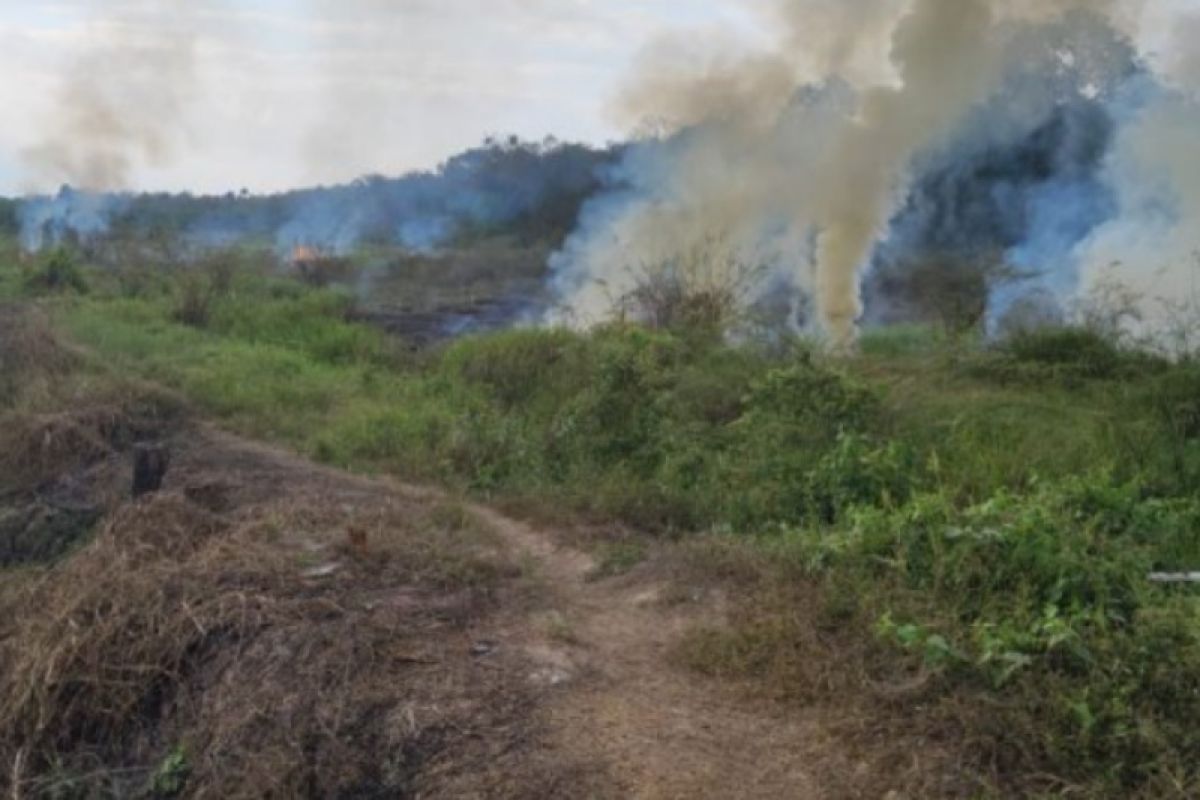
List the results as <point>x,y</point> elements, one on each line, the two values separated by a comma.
<point>29,351</point>
<point>35,448</point>
<point>282,631</point>
<point>261,628</point>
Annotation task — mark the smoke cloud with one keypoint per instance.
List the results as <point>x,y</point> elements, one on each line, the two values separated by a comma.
<point>875,130</point>
<point>123,101</point>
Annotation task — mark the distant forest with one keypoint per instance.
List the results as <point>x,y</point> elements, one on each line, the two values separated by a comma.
<point>530,190</point>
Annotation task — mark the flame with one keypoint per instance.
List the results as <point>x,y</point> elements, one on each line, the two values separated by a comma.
<point>303,254</point>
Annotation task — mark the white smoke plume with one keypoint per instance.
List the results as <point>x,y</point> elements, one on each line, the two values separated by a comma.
<point>1152,247</point>
<point>798,156</point>
<point>124,99</point>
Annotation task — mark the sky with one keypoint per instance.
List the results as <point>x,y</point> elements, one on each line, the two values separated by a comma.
<point>221,95</point>
<point>268,94</point>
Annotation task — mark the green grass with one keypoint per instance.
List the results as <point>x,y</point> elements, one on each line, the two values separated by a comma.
<point>990,513</point>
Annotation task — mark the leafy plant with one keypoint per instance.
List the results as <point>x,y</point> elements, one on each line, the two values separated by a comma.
<point>170,779</point>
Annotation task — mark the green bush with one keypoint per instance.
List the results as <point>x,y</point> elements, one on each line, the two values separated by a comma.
<point>56,270</point>
<point>1067,355</point>
<point>1024,593</point>
<point>802,449</point>
<point>515,367</point>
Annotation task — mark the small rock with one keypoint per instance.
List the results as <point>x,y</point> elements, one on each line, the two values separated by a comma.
<point>482,648</point>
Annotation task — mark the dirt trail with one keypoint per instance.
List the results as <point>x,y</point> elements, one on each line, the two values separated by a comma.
<point>599,655</point>
<point>660,731</point>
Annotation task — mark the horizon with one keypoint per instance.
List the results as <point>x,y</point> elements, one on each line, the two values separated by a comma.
<point>432,169</point>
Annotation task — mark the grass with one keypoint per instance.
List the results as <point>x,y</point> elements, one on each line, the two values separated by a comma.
<point>985,516</point>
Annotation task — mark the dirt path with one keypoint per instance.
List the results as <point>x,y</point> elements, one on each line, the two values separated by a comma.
<point>660,731</point>
<point>599,655</point>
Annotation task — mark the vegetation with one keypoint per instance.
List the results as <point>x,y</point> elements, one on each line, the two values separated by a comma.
<point>987,516</point>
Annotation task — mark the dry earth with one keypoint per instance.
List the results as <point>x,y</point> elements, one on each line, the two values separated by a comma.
<point>610,700</point>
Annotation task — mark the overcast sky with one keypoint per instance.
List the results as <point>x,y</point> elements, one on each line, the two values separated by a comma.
<point>269,94</point>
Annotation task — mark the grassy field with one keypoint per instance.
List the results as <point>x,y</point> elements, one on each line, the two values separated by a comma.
<point>984,517</point>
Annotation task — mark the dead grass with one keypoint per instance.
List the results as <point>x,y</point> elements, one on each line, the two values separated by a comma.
<point>267,629</point>
<point>29,351</point>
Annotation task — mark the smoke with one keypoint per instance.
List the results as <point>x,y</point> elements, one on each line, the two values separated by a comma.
<point>875,131</point>
<point>123,103</point>
<point>946,62</point>
<point>123,100</point>
<point>1152,247</point>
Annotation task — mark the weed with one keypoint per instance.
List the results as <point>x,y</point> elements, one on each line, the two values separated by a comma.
<point>172,774</point>
<point>193,302</point>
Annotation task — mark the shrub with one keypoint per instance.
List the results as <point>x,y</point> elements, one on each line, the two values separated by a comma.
<point>1068,355</point>
<point>57,271</point>
<point>615,420</point>
<point>704,289</point>
<point>193,300</point>
<point>1086,352</point>
<point>784,463</point>
<point>514,366</point>
<point>1046,599</point>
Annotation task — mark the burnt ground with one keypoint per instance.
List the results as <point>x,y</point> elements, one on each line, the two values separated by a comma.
<point>430,326</point>
<point>267,627</point>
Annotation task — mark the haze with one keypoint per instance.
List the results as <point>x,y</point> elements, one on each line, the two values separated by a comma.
<point>268,94</point>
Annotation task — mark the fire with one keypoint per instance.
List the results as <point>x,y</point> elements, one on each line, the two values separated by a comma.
<point>303,254</point>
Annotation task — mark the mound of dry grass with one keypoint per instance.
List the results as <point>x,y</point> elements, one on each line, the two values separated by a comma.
<point>35,448</point>
<point>57,413</point>
<point>29,351</point>
<point>306,646</point>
